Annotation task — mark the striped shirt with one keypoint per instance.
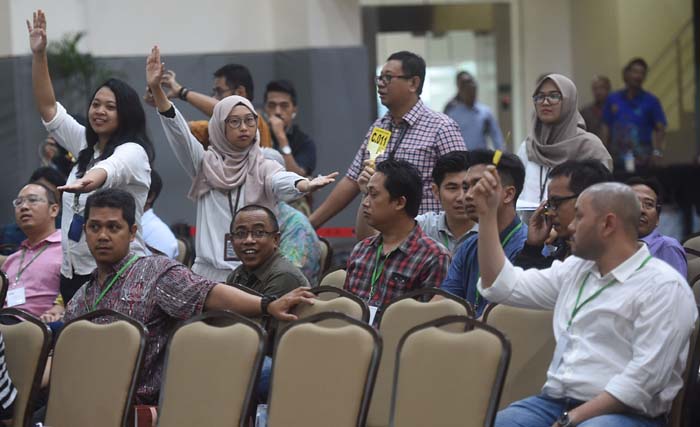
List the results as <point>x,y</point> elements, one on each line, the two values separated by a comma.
<point>8,392</point>
<point>422,137</point>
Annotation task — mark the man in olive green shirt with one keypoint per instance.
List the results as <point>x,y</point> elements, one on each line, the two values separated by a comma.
<point>255,239</point>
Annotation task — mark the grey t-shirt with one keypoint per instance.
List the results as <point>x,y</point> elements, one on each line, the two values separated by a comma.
<point>276,276</point>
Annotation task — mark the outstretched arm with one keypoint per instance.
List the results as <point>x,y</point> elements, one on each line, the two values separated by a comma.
<point>340,197</point>
<point>44,95</point>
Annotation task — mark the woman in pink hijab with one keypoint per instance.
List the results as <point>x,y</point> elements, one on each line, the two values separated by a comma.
<point>231,174</point>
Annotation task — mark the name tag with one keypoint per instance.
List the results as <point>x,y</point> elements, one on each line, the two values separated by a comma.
<point>16,297</point>
<point>378,141</point>
<point>372,313</point>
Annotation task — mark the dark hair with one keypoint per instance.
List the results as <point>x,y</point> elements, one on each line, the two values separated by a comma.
<point>49,174</point>
<point>402,179</point>
<point>156,186</point>
<point>462,74</point>
<point>254,208</point>
<point>510,167</point>
<point>636,61</point>
<point>113,198</point>
<point>50,195</point>
<point>411,65</point>
<point>582,173</point>
<point>131,125</point>
<point>652,183</point>
<point>237,75</point>
<point>284,86</point>
<point>452,162</point>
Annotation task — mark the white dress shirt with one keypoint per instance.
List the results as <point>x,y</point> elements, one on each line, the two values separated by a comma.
<point>631,341</point>
<point>213,210</point>
<point>158,235</point>
<point>127,168</point>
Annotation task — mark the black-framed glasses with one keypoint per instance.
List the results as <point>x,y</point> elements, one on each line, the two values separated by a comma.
<point>29,200</point>
<point>650,204</point>
<point>220,93</point>
<point>236,122</point>
<point>387,78</point>
<point>554,202</point>
<point>554,98</point>
<point>256,234</point>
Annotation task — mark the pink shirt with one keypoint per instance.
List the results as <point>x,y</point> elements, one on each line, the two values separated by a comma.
<point>41,278</point>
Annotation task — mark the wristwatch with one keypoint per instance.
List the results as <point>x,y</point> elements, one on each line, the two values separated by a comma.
<point>564,420</point>
<point>265,302</point>
<point>286,150</point>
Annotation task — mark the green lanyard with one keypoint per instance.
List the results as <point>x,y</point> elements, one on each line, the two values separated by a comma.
<point>111,282</point>
<point>377,272</point>
<point>21,269</point>
<point>595,295</point>
<point>503,245</point>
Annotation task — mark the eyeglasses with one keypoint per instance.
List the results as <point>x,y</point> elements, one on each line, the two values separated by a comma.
<point>219,93</point>
<point>29,200</point>
<point>554,202</point>
<point>236,122</point>
<point>387,78</point>
<point>256,234</point>
<point>553,98</point>
<point>649,205</point>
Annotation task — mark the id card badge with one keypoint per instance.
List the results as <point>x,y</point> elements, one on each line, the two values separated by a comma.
<point>75,231</point>
<point>229,253</point>
<point>562,345</point>
<point>372,313</point>
<point>16,297</point>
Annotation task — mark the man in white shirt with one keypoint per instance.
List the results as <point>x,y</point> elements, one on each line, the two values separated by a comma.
<point>158,236</point>
<point>622,319</point>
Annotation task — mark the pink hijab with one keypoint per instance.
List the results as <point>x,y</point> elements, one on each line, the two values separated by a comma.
<point>552,145</point>
<point>225,167</point>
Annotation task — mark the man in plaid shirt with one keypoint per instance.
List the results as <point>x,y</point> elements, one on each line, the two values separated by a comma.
<point>418,134</point>
<point>401,258</point>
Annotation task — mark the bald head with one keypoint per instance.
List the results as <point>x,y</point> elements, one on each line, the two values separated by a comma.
<point>618,199</point>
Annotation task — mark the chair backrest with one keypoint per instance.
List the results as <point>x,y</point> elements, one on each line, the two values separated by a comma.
<point>26,350</point>
<point>326,255</point>
<point>693,269</point>
<point>4,286</point>
<point>399,317</point>
<point>184,252</point>
<point>468,366</point>
<point>692,241</point>
<point>333,299</point>
<point>695,284</point>
<point>94,370</point>
<point>334,389</point>
<point>530,332</point>
<point>679,410</point>
<point>212,366</point>
<point>334,279</point>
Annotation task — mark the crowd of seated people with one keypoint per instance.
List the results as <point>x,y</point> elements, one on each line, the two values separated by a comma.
<point>543,228</point>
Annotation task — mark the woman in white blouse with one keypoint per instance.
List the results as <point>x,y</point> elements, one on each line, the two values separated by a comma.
<point>113,150</point>
<point>231,174</point>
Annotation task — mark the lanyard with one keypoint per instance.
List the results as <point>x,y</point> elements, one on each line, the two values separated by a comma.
<point>377,272</point>
<point>111,282</point>
<point>21,269</point>
<point>595,295</point>
<point>503,245</point>
<point>543,185</point>
<point>230,205</point>
<point>398,142</point>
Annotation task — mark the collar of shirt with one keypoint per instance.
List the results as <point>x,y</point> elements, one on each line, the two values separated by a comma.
<point>412,116</point>
<point>406,245</point>
<point>623,271</point>
<point>502,235</point>
<point>443,228</point>
<point>54,237</point>
<point>652,237</point>
<point>262,271</point>
<point>115,267</point>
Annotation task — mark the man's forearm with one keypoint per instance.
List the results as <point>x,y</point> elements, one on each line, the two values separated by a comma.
<point>490,252</point>
<point>340,197</point>
<point>604,403</point>
<point>660,137</point>
<point>202,102</point>
<point>224,297</point>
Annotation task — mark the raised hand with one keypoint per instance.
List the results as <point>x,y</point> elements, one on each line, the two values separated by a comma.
<point>365,175</point>
<point>539,227</point>
<point>37,32</point>
<point>154,69</point>
<point>487,192</point>
<point>309,186</point>
<point>81,185</point>
<point>170,85</point>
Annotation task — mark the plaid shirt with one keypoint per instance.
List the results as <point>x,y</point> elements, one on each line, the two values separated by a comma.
<point>428,135</point>
<point>159,293</point>
<point>417,263</point>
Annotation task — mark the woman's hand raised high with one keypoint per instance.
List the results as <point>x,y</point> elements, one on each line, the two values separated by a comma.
<point>37,32</point>
<point>154,69</point>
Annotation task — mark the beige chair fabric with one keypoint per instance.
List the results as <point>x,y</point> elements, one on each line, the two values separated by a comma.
<point>397,319</point>
<point>532,339</point>
<point>331,300</point>
<point>92,374</point>
<point>678,413</point>
<point>335,279</point>
<point>692,242</point>
<point>26,351</point>
<point>181,251</point>
<point>210,374</point>
<point>693,269</point>
<point>460,390</point>
<point>330,391</point>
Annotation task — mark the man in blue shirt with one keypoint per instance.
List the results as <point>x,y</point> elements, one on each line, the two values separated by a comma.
<point>464,270</point>
<point>475,119</point>
<point>634,122</point>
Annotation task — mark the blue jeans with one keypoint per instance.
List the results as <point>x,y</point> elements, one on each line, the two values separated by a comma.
<point>263,387</point>
<point>543,411</point>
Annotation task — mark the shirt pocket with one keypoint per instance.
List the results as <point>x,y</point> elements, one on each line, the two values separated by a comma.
<point>397,284</point>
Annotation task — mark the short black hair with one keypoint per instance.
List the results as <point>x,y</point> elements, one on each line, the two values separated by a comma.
<point>113,198</point>
<point>156,186</point>
<point>652,183</point>
<point>510,167</point>
<point>452,162</point>
<point>254,208</point>
<point>50,195</point>
<point>636,61</point>
<point>237,75</point>
<point>411,65</point>
<point>49,174</point>
<point>402,179</point>
<point>284,86</point>
<point>582,173</point>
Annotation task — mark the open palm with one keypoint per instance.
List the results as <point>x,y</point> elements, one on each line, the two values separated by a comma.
<point>154,68</point>
<point>37,32</point>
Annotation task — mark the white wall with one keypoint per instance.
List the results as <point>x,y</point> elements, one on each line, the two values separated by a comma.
<point>130,27</point>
